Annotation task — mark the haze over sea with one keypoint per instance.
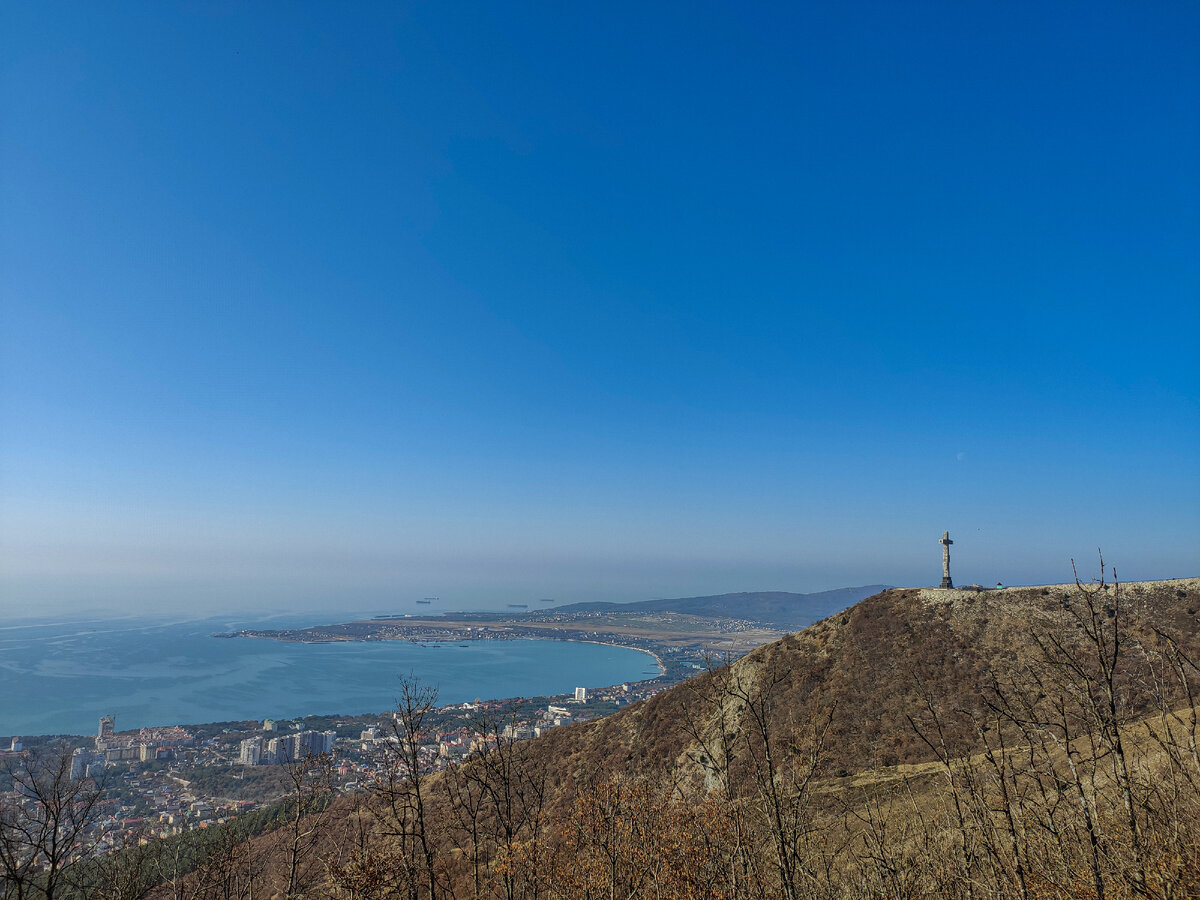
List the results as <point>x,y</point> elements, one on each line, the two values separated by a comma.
<point>58,677</point>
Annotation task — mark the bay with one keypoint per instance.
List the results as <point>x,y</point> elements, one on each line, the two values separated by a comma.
<point>59,677</point>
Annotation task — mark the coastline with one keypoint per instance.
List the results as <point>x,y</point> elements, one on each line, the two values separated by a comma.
<point>658,660</point>
<point>181,675</point>
<point>681,638</point>
<point>662,667</point>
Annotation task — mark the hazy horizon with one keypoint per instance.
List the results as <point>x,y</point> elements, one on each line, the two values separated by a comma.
<point>309,309</point>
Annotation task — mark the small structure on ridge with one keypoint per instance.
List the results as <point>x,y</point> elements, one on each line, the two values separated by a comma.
<point>946,542</point>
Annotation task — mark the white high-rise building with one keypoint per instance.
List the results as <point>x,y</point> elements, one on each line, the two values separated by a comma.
<point>580,695</point>
<point>79,763</point>
<point>251,752</point>
<point>106,732</point>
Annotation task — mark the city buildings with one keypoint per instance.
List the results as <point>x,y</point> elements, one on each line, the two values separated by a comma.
<point>282,750</point>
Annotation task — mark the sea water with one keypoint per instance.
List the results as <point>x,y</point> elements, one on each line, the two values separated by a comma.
<point>59,677</point>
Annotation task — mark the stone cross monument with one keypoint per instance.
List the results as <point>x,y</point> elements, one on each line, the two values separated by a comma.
<point>946,542</point>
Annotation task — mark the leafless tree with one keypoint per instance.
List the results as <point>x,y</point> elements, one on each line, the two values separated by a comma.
<point>213,863</point>
<point>310,792</point>
<point>1081,780</point>
<point>763,772</point>
<point>499,796</point>
<point>126,872</point>
<point>357,866</point>
<point>783,766</point>
<point>44,823</point>
<point>714,725</point>
<point>404,794</point>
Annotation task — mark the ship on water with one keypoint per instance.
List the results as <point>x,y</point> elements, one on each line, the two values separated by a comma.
<point>518,606</point>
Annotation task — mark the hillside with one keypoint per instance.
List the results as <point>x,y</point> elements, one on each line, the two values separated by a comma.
<point>873,664</point>
<point>899,710</point>
<point>779,608</point>
<point>1031,742</point>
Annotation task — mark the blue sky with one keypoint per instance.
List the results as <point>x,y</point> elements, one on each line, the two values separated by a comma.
<point>304,307</point>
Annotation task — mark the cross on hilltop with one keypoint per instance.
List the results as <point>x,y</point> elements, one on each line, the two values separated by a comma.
<point>946,542</point>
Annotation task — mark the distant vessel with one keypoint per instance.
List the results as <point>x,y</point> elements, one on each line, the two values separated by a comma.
<point>545,600</point>
<point>426,602</point>
<point>518,606</point>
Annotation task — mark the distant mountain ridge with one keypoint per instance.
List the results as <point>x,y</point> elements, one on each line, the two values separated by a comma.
<point>773,607</point>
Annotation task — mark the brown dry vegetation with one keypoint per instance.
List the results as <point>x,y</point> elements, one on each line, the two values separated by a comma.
<point>1027,743</point>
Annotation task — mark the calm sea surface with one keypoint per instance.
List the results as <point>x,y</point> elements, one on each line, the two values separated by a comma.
<point>59,677</point>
